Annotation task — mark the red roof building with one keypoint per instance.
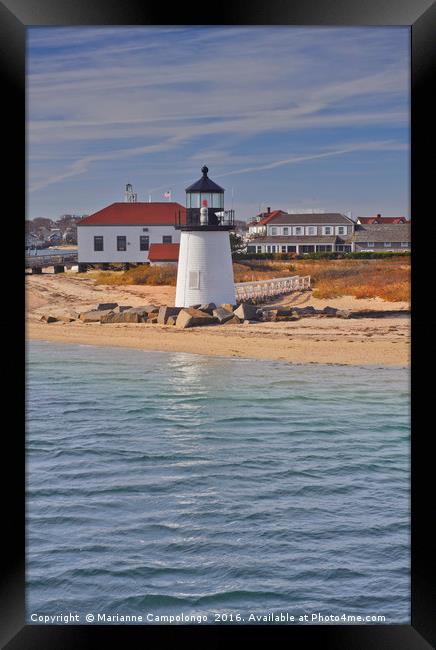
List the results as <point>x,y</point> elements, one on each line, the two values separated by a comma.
<point>381,220</point>
<point>265,217</point>
<point>137,214</point>
<point>163,253</point>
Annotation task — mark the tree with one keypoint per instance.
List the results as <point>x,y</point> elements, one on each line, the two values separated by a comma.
<point>236,243</point>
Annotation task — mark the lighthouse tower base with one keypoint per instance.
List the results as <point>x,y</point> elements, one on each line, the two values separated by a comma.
<point>205,272</point>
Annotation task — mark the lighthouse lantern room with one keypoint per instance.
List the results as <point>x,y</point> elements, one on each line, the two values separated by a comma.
<point>205,272</point>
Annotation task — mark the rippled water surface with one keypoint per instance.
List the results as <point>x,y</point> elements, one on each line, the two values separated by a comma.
<point>176,483</point>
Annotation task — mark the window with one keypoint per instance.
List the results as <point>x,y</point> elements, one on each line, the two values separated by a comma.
<point>322,248</point>
<point>259,249</point>
<point>144,242</point>
<point>251,249</point>
<point>327,230</point>
<point>404,244</point>
<point>194,280</point>
<point>285,231</point>
<point>268,249</point>
<point>145,230</point>
<point>387,244</point>
<point>298,230</point>
<point>311,230</point>
<point>291,249</point>
<point>273,230</point>
<point>283,249</point>
<point>341,230</point>
<point>370,244</point>
<point>98,243</point>
<point>121,243</point>
<point>167,239</point>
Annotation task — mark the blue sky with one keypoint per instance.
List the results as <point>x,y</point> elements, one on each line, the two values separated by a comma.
<point>287,117</point>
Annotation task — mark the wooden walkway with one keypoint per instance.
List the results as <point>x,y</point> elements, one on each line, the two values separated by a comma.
<point>59,261</point>
<point>264,289</point>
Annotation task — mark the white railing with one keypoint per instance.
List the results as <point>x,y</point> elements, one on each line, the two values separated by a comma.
<point>263,289</point>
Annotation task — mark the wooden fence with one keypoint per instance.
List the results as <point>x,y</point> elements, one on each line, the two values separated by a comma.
<point>263,289</point>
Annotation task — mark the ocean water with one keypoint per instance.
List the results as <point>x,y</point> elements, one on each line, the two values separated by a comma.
<point>173,484</point>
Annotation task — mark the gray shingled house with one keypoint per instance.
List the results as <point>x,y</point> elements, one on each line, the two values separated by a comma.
<point>382,237</point>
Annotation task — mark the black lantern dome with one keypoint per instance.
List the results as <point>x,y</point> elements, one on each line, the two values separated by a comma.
<point>206,193</point>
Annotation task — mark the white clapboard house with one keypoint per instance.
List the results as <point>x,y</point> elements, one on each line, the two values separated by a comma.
<point>124,232</point>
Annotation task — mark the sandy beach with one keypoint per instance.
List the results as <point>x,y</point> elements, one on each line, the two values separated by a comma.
<point>363,341</point>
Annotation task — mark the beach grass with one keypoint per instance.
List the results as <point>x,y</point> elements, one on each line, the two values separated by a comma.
<point>388,279</point>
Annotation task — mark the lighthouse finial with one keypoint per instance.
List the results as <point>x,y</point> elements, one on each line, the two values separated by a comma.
<point>204,169</point>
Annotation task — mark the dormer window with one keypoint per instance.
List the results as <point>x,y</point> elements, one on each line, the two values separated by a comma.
<point>298,230</point>
<point>273,230</point>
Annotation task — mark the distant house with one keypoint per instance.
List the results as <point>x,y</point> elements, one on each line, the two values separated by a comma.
<point>382,237</point>
<point>33,240</point>
<point>303,233</point>
<point>164,254</point>
<point>125,232</point>
<point>55,237</point>
<point>258,225</point>
<point>378,219</point>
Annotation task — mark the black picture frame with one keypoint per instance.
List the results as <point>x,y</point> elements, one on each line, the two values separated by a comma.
<point>420,15</point>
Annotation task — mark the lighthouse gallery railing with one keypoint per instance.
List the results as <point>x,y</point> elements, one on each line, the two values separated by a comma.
<point>261,289</point>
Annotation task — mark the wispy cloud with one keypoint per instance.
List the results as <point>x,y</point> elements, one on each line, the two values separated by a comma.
<point>130,97</point>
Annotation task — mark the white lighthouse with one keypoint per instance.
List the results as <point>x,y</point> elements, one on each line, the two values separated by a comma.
<point>205,272</point>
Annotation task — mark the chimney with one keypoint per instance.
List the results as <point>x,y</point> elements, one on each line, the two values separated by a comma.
<point>268,210</point>
<point>378,216</point>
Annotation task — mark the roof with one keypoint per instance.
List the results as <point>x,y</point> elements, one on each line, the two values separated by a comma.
<point>136,214</point>
<point>312,239</point>
<point>204,184</point>
<point>268,216</point>
<point>382,232</point>
<point>163,252</point>
<point>313,219</point>
<point>382,220</point>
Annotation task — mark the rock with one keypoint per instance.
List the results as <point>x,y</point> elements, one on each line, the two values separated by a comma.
<point>281,315</point>
<point>330,311</point>
<point>153,319</point>
<point>121,308</point>
<point>194,307</point>
<point>208,307</point>
<point>190,317</point>
<point>104,306</point>
<point>222,315</point>
<point>67,316</point>
<point>228,307</point>
<point>248,322</point>
<point>112,317</point>
<point>343,313</point>
<point>171,320</point>
<point>144,312</point>
<point>305,311</point>
<point>246,311</point>
<point>48,318</point>
<point>94,315</point>
<point>165,312</point>
<point>130,316</point>
<point>234,320</point>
